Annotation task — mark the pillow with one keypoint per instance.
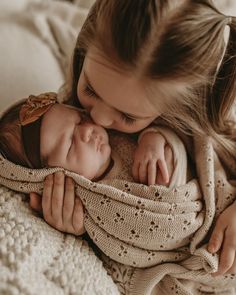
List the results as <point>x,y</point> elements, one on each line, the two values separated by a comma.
<point>36,46</point>
<point>27,64</point>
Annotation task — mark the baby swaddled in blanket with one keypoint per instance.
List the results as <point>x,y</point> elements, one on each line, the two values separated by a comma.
<point>38,132</point>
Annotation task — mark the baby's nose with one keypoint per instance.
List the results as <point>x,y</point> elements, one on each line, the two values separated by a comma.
<point>86,132</point>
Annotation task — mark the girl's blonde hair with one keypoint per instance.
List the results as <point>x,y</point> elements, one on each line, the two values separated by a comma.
<point>170,40</point>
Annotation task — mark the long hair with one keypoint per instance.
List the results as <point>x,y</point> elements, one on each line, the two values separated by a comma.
<point>170,41</point>
<point>109,27</point>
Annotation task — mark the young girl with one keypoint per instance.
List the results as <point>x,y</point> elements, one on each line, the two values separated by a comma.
<point>136,61</point>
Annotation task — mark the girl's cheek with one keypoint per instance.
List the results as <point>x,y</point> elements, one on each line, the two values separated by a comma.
<point>83,101</point>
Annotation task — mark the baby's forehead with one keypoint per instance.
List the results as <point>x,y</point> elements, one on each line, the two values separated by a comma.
<point>71,111</point>
<point>76,109</point>
<point>69,108</point>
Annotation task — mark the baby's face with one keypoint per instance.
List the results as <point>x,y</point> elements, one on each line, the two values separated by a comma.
<point>68,142</point>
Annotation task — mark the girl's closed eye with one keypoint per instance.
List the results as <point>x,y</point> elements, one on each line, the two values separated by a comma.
<point>126,119</point>
<point>89,92</point>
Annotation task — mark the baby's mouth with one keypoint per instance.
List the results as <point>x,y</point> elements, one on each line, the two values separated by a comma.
<point>98,141</point>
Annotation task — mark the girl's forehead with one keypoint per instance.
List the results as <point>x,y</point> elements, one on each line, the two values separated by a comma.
<point>112,63</point>
<point>130,93</point>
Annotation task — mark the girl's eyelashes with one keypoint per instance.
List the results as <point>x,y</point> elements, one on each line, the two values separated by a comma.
<point>89,92</point>
<point>127,120</point>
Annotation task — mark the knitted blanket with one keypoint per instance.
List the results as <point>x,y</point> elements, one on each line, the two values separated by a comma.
<point>158,232</point>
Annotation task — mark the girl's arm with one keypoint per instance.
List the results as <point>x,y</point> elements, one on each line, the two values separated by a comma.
<point>61,208</point>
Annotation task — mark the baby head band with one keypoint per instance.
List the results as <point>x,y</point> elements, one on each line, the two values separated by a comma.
<point>30,116</point>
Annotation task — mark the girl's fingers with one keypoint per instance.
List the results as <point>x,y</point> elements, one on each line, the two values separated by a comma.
<point>47,196</point>
<point>68,204</point>
<point>152,170</point>
<point>227,257</point>
<point>217,237</point>
<point>78,217</point>
<point>232,270</point>
<point>143,173</point>
<point>164,170</point>
<point>36,202</point>
<point>58,196</point>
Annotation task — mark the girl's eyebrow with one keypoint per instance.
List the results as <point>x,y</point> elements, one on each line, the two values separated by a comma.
<point>96,94</point>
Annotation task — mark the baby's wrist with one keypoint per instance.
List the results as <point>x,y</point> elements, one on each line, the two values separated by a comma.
<point>152,136</point>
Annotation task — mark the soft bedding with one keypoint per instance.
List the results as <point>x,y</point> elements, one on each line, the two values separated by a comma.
<point>35,258</point>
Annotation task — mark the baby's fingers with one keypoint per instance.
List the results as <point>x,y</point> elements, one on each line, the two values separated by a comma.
<point>143,170</point>
<point>152,171</point>
<point>135,171</point>
<point>164,170</point>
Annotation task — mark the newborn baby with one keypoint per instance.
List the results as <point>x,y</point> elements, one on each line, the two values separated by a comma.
<point>38,132</point>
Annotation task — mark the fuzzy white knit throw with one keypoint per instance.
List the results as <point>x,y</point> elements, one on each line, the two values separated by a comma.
<point>37,259</point>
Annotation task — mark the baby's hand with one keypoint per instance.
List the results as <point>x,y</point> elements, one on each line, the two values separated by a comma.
<point>153,160</point>
<point>61,208</point>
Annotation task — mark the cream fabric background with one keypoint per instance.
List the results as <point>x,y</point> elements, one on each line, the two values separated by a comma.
<point>37,38</point>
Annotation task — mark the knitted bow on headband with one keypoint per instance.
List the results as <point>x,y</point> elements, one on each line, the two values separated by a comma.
<point>30,116</point>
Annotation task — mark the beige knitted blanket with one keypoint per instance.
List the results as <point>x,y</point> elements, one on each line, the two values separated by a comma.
<point>159,233</point>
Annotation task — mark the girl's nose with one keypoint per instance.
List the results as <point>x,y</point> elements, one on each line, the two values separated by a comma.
<point>102,115</point>
<point>85,117</point>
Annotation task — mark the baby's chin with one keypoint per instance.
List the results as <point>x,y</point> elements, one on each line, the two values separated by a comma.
<point>104,170</point>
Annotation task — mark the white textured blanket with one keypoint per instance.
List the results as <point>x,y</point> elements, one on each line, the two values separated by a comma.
<point>37,259</point>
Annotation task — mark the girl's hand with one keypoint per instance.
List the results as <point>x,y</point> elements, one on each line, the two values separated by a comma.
<point>153,160</point>
<point>224,237</point>
<point>61,208</point>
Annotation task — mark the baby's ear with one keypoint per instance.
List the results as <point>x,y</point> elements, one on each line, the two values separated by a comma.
<point>36,202</point>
